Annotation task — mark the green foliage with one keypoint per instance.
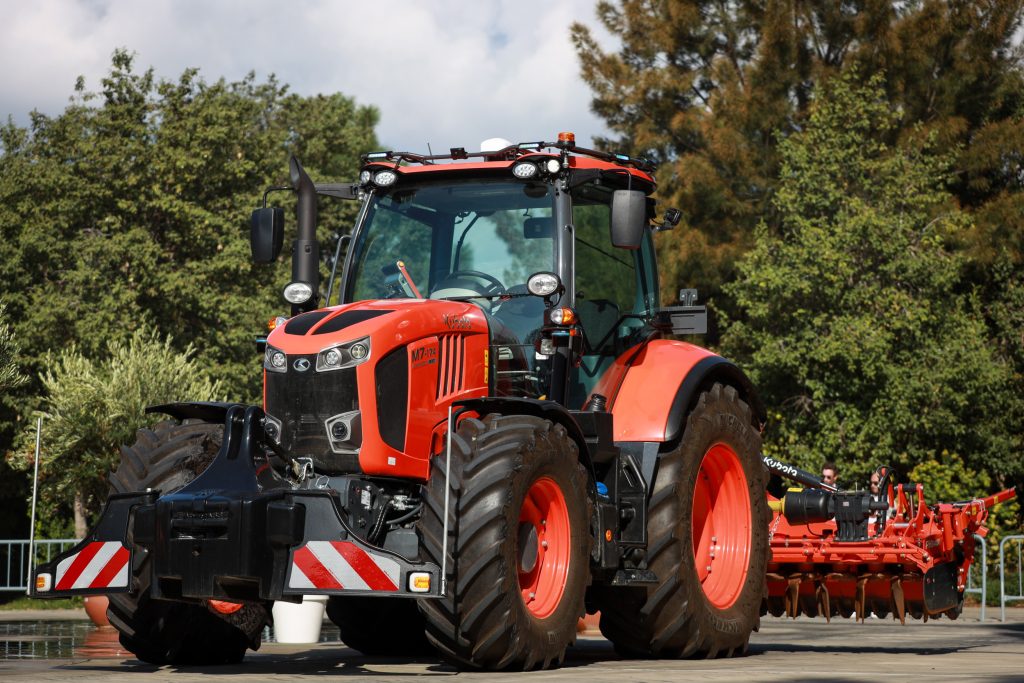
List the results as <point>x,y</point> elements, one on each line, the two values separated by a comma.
<point>10,376</point>
<point>704,88</point>
<point>92,407</point>
<point>854,325</point>
<point>130,209</point>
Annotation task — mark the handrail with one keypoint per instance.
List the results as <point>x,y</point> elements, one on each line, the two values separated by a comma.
<point>15,567</point>
<point>984,573</point>
<point>1003,596</point>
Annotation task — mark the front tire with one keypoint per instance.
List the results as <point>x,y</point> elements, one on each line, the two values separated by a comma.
<point>519,544</point>
<point>708,542</point>
<point>165,458</point>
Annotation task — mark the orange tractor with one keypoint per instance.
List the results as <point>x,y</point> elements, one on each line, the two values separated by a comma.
<point>489,433</point>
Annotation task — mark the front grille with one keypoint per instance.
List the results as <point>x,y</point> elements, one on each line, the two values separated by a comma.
<point>449,375</point>
<point>303,402</point>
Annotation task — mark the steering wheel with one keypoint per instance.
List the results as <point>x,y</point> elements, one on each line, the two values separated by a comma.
<point>493,288</point>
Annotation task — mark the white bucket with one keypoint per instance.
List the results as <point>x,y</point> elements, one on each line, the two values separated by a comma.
<point>299,623</point>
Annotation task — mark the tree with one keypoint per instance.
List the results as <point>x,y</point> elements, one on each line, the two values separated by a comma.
<point>92,407</point>
<point>705,89</point>
<point>129,210</point>
<point>10,376</point>
<point>853,322</point>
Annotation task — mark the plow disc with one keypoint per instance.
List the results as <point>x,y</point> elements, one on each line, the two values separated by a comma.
<point>851,555</point>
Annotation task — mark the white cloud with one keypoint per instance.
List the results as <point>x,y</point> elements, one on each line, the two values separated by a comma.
<point>446,72</point>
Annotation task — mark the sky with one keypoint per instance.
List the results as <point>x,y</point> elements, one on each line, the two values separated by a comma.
<point>448,73</point>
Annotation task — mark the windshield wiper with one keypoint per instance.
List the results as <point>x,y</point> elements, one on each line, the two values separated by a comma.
<point>489,297</point>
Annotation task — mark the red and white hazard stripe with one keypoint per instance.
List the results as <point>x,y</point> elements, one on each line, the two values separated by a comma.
<point>101,564</point>
<point>341,565</point>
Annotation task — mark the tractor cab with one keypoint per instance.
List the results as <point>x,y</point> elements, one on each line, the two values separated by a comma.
<point>550,241</point>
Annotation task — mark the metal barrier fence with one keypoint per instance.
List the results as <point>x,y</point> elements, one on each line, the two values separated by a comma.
<point>971,588</point>
<point>1003,595</point>
<point>14,560</point>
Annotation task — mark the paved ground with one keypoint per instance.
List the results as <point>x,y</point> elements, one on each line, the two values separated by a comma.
<point>784,650</point>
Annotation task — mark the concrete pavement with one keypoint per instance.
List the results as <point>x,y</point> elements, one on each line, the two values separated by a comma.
<point>783,650</point>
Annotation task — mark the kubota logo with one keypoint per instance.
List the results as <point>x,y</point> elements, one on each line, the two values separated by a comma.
<point>457,322</point>
<point>301,364</point>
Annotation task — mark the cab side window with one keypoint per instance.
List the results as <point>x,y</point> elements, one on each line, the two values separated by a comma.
<point>607,279</point>
<point>615,289</point>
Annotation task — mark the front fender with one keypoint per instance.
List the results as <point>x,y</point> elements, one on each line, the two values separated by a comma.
<point>651,389</point>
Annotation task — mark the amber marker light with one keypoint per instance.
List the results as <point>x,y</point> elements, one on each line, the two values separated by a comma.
<point>419,582</point>
<point>562,316</point>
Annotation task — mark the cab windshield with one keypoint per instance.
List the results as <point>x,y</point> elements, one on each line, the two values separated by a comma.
<point>472,240</point>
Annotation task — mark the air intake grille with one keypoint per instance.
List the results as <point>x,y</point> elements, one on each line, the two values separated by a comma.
<point>449,375</point>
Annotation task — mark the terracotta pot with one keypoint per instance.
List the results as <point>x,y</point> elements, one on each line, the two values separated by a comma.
<point>96,608</point>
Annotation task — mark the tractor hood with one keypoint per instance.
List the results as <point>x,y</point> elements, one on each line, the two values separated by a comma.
<point>364,387</point>
<point>388,323</point>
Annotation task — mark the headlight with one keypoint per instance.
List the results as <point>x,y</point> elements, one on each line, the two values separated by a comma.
<point>274,360</point>
<point>543,284</point>
<point>343,355</point>
<point>297,292</point>
<point>553,165</point>
<point>385,178</point>
<point>524,170</point>
<point>364,177</point>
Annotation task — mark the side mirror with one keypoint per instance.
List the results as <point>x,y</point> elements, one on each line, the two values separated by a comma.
<point>267,234</point>
<point>629,216</point>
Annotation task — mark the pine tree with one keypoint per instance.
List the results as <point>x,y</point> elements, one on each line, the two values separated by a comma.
<point>708,89</point>
<point>853,323</point>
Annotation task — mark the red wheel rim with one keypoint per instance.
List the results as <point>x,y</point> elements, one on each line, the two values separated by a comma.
<point>544,540</point>
<point>721,526</point>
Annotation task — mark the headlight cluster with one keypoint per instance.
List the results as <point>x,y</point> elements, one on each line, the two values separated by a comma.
<point>533,169</point>
<point>384,178</point>
<point>343,355</point>
<point>334,357</point>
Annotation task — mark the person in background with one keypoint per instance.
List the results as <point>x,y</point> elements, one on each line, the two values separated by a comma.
<point>828,473</point>
<point>875,479</point>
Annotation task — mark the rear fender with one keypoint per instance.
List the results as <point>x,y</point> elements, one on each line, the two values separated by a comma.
<point>651,389</point>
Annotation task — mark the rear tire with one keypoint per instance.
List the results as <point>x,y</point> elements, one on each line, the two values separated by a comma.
<point>380,627</point>
<point>519,544</point>
<point>165,458</point>
<point>708,502</point>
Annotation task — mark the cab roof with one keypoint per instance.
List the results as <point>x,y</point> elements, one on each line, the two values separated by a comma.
<point>458,160</point>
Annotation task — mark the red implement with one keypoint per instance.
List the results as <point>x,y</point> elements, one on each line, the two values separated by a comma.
<point>914,560</point>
